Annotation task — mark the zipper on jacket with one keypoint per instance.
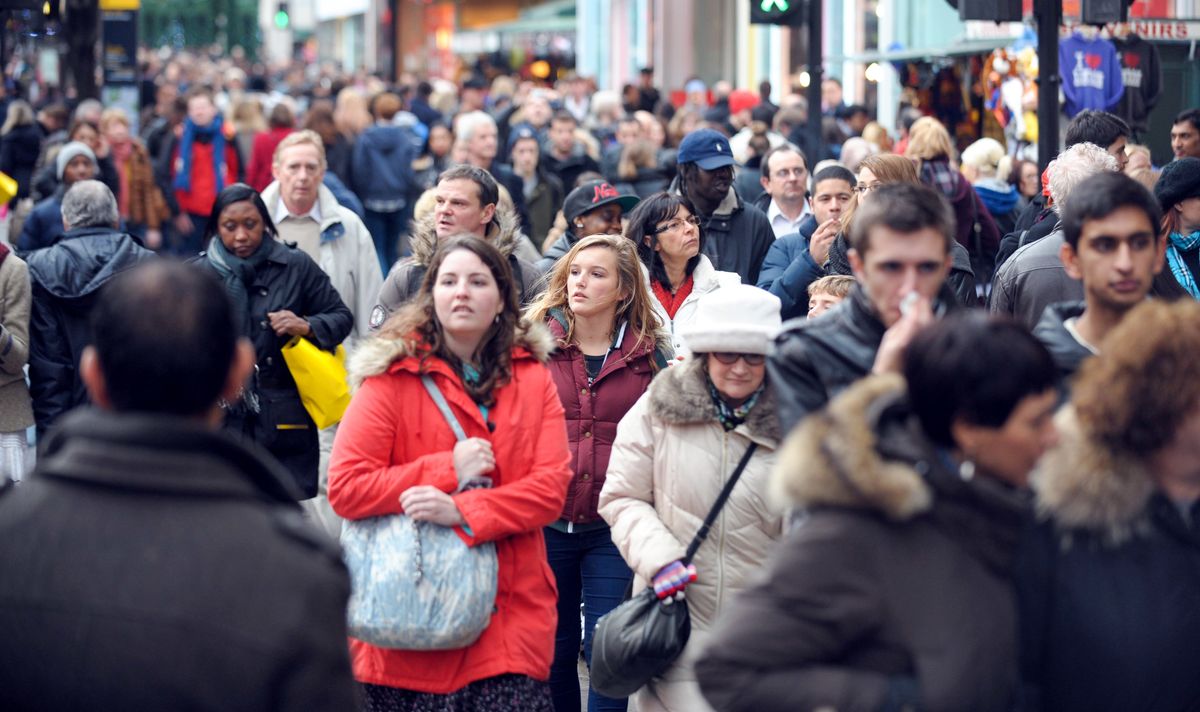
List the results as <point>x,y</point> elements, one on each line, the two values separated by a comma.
<point>721,523</point>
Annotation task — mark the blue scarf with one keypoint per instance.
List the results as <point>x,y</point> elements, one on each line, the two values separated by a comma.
<point>1176,245</point>
<point>191,132</point>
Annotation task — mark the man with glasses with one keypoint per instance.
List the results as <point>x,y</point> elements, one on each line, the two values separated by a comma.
<point>737,236</point>
<point>900,253</point>
<point>795,260</point>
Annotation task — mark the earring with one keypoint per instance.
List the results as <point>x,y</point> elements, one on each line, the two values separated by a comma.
<point>966,470</point>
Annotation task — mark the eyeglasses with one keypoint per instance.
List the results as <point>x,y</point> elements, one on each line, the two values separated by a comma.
<point>729,359</point>
<point>864,189</point>
<point>678,223</point>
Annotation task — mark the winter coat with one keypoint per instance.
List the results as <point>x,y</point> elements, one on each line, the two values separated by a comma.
<point>788,270</point>
<point>66,278</point>
<point>669,462</point>
<point>1032,279</point>
<point>704,280</point>
<point>1067,352</point>
<point>403,281</point>
<point>1108,584</point>
<point>1001,200</point>
<point>19,150</point>
<point>737,236</point>
<point>594,409</point>
<point>16,410</point>
<point>43,227</point>
<point>543,205</point>
<point>290,280</point>
<point>194,581</point>
<point>558,250</point>
<point>893,592</point>
<point>381,166</point>
<point>393,437</point>
<point>968,209</point>
<point>347,256</point>
<point>199,200</point>
<point>145,204</point>
<point>262,157</point>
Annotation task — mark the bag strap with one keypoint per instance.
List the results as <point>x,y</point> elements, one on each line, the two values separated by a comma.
<point>436,394</point>
<point>702,533</point>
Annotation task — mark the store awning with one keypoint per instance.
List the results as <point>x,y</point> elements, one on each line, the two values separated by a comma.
<point>958,49</point>
<point>557,17</point>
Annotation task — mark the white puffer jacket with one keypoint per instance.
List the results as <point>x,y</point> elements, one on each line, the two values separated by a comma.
<point>669,462</point>
<point>705,278</point>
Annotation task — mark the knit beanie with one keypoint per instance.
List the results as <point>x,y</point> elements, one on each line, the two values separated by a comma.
<point>69,151</point>
<point>1179,180</point>
<point>738,319</point>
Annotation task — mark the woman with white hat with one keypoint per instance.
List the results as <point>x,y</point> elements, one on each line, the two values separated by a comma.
<point>675,450</point>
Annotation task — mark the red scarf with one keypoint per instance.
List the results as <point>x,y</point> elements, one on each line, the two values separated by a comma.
<point>672,302</point>
<point>3,252</point>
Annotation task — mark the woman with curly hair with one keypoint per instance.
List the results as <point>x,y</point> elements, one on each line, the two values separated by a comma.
<point>1109,582</point>
<point>396,454</point>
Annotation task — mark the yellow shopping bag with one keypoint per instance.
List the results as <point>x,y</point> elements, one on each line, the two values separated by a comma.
<point>321,379</point>
<point>8,187</point>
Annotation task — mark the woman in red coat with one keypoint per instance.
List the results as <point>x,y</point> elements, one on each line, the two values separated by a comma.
<point>609,347</point>
<point>395,454</point>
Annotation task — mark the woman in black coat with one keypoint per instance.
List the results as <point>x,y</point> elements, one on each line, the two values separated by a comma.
<point>281,294</point>
<point>20,142</point>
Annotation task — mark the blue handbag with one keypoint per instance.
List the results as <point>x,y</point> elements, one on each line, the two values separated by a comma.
<point>417,585</point>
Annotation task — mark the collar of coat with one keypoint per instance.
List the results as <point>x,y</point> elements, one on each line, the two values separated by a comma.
<point>379,354</point>
<point>679,395</point>
<point>1084,484</point>
<point>503,233</point>
<point>832,458</point>
<point>729,205</point>
<point>332,212</point>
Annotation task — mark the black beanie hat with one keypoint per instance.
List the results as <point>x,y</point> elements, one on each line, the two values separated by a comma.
<point>1179,180</point>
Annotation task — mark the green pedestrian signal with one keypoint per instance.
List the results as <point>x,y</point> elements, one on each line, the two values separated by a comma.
<point>282,19</point>
<point>778,12</point>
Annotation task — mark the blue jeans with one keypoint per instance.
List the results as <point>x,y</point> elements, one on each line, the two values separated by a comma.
<point>587,568</point>
<point>385,231</point>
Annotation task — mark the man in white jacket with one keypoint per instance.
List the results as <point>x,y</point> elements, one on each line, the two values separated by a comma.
<point>306,213</point>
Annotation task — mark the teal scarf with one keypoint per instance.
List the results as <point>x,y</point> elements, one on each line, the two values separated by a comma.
<point>238,275</point>
<point>1177,244</point>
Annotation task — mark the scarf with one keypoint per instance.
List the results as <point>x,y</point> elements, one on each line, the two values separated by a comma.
<point>1176,245</point>
<point>732,417</point>
<point>3,252</point>
<point>937,173</point>
<point>213,132</point>
<point>238,275</point>
<point>672,302</point>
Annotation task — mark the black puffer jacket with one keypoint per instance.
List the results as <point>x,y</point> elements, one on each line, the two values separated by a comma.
<point>18,155</point>
<point>66,278</point>
<point>815,359</point>
<point>290,280</point>
<point>1066,351</point>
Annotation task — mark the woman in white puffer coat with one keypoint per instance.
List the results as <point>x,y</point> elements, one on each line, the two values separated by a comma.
<point>674,451</point>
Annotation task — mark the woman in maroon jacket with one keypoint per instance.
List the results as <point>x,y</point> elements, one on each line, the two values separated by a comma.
<point>609,347</point>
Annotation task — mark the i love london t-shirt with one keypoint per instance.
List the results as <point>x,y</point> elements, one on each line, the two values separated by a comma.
<point>1091,74</point>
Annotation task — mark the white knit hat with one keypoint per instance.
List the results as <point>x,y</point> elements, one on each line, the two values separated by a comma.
<point>738,319</point>
<point>69,151</point>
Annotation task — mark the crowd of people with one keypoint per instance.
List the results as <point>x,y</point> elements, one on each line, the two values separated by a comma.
<point>957,390</point>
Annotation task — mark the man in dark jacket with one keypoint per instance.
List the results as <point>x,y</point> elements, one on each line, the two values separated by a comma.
<point>900,254</point>
<point>161,564</point>
<point>66,278</point>
<point>737,236</point>
<point>565,156</point>
<point>75,162</point>
<point>1111,245</point>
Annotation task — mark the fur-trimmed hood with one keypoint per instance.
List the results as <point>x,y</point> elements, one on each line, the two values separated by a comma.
<point>833,457</point>
<point>1083,484</point>
<point>376,355</point>
<point>680,395</point>
<point>503,233</point>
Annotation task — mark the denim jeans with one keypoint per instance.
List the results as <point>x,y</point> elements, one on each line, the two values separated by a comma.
<point>385,231</point>
<point>588,568</point>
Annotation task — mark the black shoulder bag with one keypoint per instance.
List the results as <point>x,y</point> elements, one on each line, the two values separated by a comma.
<point>640,638</point>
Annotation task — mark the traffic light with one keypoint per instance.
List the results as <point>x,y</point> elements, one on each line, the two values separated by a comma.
<point>991,10</point>
<point>282,19</point>
<point>778,12</point>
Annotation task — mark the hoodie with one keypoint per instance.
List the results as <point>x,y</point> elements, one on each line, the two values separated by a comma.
<point>381,165</point>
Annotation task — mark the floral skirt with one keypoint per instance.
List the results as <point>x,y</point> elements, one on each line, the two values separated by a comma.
<point>503,692</point>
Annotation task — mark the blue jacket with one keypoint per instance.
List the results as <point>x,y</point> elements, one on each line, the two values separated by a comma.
<point>788,269</point>
<point>43,227</point>
<point>381,166</point>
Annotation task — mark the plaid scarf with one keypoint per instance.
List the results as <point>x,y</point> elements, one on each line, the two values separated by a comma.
<point>1177,244</point>
<point>937,173</point>
<point>732,417</point>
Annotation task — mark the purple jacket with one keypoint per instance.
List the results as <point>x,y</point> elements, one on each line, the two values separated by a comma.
<point>593,411</point>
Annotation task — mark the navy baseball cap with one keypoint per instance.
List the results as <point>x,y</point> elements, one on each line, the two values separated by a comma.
<point>519,132</point>
<point>706,148</point>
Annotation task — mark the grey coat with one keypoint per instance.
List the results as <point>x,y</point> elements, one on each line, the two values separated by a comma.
<point>16,409</point>
<point>1033,279</point>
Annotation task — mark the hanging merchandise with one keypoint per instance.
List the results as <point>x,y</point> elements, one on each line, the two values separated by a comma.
<point>1003,94</point>
<point>1141,73</point>
<point>1091,73</point>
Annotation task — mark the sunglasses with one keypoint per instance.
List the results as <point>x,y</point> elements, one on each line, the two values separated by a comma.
<point>731,358</point>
